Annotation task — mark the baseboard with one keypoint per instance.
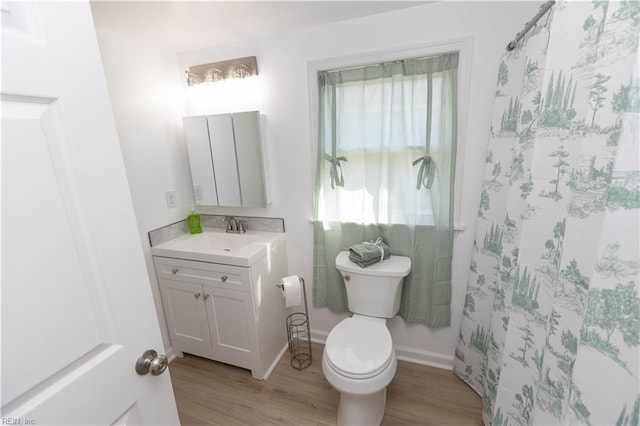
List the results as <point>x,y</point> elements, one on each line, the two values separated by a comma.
<point>170,355</point>
<point>404,353</point>
<point>318,336</point>
<point>275,362</point>
<point>419,356</point>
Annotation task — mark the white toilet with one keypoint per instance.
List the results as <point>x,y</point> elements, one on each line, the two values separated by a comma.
<point>359,360</point>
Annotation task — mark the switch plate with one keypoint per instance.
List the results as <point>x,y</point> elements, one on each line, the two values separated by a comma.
<point>171,199</point>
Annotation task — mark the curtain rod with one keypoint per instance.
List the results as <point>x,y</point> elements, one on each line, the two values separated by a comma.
<point>543,9</point>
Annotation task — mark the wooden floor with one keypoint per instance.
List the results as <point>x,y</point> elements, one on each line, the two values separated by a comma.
<point>212,393</point>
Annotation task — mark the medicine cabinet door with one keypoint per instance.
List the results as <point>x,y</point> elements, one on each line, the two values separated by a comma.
<point>204,182</point>
<point>251,169</point>
<point>225,164</point>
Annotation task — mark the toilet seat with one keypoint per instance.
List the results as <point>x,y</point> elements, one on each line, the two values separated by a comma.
<point>358,348</point>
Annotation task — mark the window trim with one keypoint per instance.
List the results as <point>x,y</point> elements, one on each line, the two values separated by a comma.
<point>464,48</point>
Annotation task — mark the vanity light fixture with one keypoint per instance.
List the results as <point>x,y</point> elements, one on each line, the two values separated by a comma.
<point>192,78</point>
<point>223,70</point>
<point>214,75</point>
<point>242,71</point>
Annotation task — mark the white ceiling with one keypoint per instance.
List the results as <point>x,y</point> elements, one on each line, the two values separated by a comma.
<point>188,25</point>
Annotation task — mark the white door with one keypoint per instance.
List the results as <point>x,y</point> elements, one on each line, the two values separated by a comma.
<point>77,309</point>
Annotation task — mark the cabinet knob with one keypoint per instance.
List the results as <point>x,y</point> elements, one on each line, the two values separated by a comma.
<point>174,271</point>
<point>197,295</point>
<point>224,278</point>
<point>206,296</point>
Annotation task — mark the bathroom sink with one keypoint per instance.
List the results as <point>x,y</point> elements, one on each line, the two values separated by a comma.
<point>216,245</point>
<point>216,240</point>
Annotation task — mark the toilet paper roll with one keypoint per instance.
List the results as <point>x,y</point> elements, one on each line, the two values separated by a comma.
<point>291,290</point>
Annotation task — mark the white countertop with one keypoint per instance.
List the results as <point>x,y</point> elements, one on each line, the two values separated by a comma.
<point>217,246</point>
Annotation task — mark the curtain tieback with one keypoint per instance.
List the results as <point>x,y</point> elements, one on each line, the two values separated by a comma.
<point>337,179</point>
<point>377,243</point>
<point>426,173</point>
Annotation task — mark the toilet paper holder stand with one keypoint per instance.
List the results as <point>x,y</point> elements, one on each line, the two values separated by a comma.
<point>299,334</point>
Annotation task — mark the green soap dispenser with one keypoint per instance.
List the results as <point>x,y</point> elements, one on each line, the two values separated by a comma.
<point>194,222</point>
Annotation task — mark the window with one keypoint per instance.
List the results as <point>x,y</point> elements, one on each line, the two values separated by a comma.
<point>387,142</point>
<point>387,136</point>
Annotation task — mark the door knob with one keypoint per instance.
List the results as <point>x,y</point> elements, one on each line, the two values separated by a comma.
<point>151,362</point>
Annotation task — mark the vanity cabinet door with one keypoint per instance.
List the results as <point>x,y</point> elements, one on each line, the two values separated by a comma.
<point>186,314</point>
<point>232,325</point>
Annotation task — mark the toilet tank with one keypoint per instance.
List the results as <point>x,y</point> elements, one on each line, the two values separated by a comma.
<point>376,290</point>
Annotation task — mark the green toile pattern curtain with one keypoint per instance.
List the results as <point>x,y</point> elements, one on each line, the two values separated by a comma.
<point>551,323</point>
<point>386,152</point>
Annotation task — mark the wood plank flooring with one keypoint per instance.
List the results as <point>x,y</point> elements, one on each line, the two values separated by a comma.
<point>213,393</point>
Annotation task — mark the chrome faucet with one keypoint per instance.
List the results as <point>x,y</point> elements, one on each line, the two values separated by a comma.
<point>234,225</point>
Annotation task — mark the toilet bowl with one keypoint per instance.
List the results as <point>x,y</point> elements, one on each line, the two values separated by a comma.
<point>359,362</point>
<point>358,359</point>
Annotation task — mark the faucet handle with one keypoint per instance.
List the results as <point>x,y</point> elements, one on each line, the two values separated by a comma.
<point>229,221</point>
<point>242,226</point>
<point>234,224</point>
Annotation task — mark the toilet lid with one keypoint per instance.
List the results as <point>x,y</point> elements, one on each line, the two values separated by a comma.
<point>358,348</point>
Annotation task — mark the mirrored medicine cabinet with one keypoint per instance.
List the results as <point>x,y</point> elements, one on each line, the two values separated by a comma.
<point>227,159</point>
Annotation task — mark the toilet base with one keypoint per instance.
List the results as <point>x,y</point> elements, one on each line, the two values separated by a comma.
<point>361,410</point>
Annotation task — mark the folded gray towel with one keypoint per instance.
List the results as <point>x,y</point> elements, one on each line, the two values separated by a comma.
<point>363,264</point>
<point>368,253</point>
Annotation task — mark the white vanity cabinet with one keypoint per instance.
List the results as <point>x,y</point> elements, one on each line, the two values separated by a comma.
<point>231,314</point>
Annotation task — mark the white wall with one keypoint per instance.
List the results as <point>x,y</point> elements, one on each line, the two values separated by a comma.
<point>141,82</point>
<point>147,99</point>
<point>282,63</point>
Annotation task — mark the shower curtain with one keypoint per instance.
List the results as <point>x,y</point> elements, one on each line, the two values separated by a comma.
<point>550,332</point>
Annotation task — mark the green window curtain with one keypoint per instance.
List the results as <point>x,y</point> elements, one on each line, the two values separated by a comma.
<point>386,157</point>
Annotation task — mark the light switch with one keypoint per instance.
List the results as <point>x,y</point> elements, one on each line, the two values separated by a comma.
<point>171,199</point>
